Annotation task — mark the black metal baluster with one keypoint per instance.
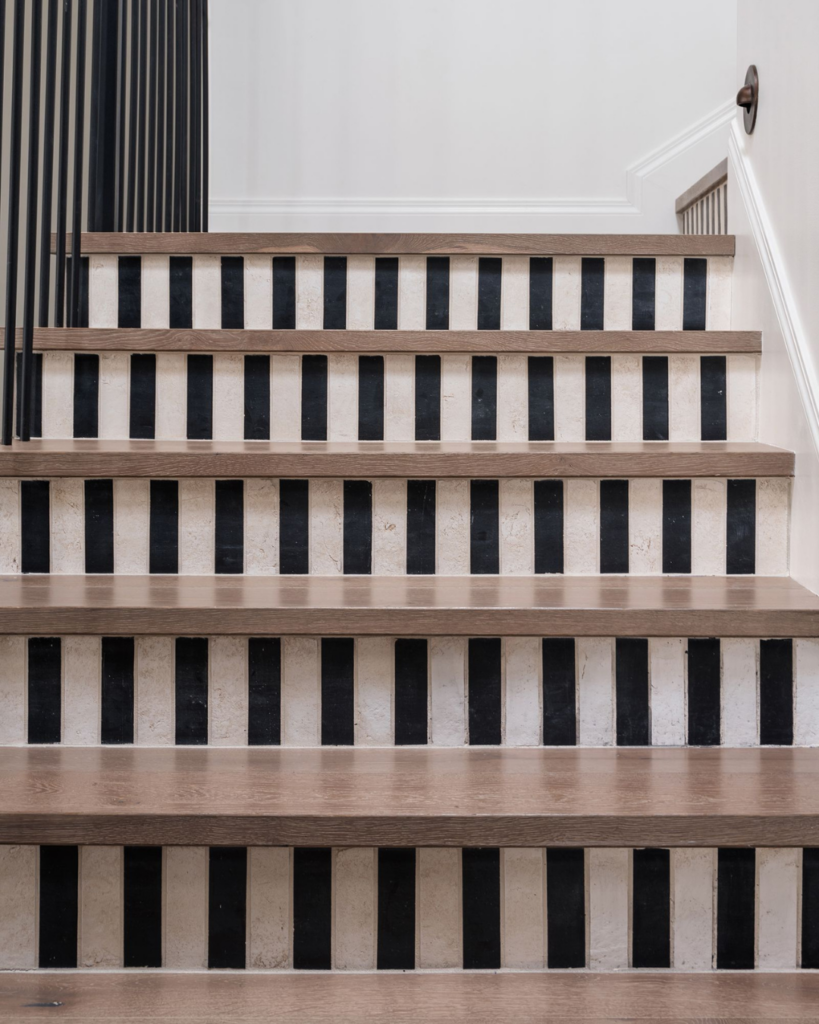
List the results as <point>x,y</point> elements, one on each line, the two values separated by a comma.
<point>141,123</point>
<point>152,119</point>
<point>181,198</point>
<point>170,114</point>
<point>161,114</point>
<point>194,191</point>
<point>79,137</point>
<point>132,117</point>
<point>122,124</point>
<point>205,116</point>
<point>13,226</point>
<point>48,162</point>
<point>62,171</point>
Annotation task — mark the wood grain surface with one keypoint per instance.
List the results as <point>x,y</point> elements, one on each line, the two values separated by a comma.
<point>413,460</point>
<point>227,243</point>
<point>335,796</point>
<point>555,997</point>
<point>764,606</point>
<point>79,339</point>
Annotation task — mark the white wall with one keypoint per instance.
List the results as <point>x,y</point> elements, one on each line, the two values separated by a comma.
<point>550,115</point>
<point>774,212</point>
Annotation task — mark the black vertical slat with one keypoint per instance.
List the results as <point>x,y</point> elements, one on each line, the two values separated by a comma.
<point>161,113</point>
<point>548,526</point>
<point>335,293</point>
<point>541,398</point>
<point>182,115</point>
<point>169,218</point>
<point>62,167</point>
<point>284,293</point>
<point>358,527</point>
<point>643,286</point>
<point>484,541</point>
<point>102,129</point>
<point>129,305</point>
<point>396,910</point>
<point>566,908</point>
<point>314,398</point>
<point>47,200</point>
<point>153,85</point>
<point>713,398</point>
<point>122,112</point>
<point>257,398</point>
<point>99,526</point>
<point>371,398</point>
<point>421,527</point>
<point>59,906</point>
<point>117,694</point>
<point>44,689</point>
<point>484,690</point>
<point>163,543</point>
<point>559,692</point>
<point>676,526</point>
<point>142,118</point>
<point>191,691</point>
<point>695,272</point>
<point>312,908</point>
<point>13,222</point>
<point>205,144</point>
<point>82,311</point>
<point>614,526</point>
<point>337,691</point>
<point>598,398</point>
<point>655,398</point>
<point>233,292</point>
<point>229,539</point>
<point>631,685</point>
<point>227,907</point>
<point>411,692</point>
<point>481,908</point>
<point>79,148</point>
<point>200,397</point>
<point>86,394</point>
<point>37,404</point>
<point>181,292</point>
<point>736,878</point>
<point>740,533</point>
<point>592,289</point>
<point>142,406</point>
<point>484,398</point>
<point>437,293</point>
<point>195,192</point>
<point>142,906</point>
<point>776,692</point>
<point>651,909</point>
<point>490,271</point>
<point>810,908</point>
<point>264,684</point>
<point>427,398</point>
<point>386,293</point>
<point>294,529</point>
<point>35,526</point>
<point>704,671</point>
<point>540,293</point>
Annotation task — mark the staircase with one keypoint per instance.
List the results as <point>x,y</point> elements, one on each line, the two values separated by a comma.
<point>399,628</point>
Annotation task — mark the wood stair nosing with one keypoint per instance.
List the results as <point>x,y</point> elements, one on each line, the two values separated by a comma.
<point>643,606</point>
<point>414,460</point>
<point>337,796</point>
<point>99,339</point>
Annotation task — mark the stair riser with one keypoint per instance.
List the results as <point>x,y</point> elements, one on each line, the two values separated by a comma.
<point>348,909</point>
<point>285,398</point>
<point>262,527</point>
<point>456,293</point>
<point>376,691</point>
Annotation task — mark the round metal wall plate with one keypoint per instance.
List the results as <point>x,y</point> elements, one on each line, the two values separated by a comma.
<point>748,98</point>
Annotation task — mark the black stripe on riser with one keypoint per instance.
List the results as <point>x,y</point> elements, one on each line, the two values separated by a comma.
<point>415,292</point>
<point>578,526</point>
<point>442,691</point>
<point>343,396</point>
<point>404,908</point>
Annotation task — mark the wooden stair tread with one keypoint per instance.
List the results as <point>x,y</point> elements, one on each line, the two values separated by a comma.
<point>287,459</point>
<point>757,606</point>
<point>367,243</point>
<point>554,997</point>
<point>75,339</point>
<point>397,796</point>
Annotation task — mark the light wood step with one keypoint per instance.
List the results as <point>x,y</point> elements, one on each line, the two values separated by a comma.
<point>336,796</point>
<point>123,339</point>
<point>405,459</point>
<point>756,606</point>
<point>369,243</point>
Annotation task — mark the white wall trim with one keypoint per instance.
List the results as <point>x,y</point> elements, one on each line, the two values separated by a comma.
<point>629,205</point>
<point>776,277</point>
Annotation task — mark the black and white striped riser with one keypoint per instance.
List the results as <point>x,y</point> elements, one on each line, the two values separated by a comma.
<point>261,526</point>
<point>361,909</point>
<point>380,691</point>
<point>410,292</point>
<point>396,397</point>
